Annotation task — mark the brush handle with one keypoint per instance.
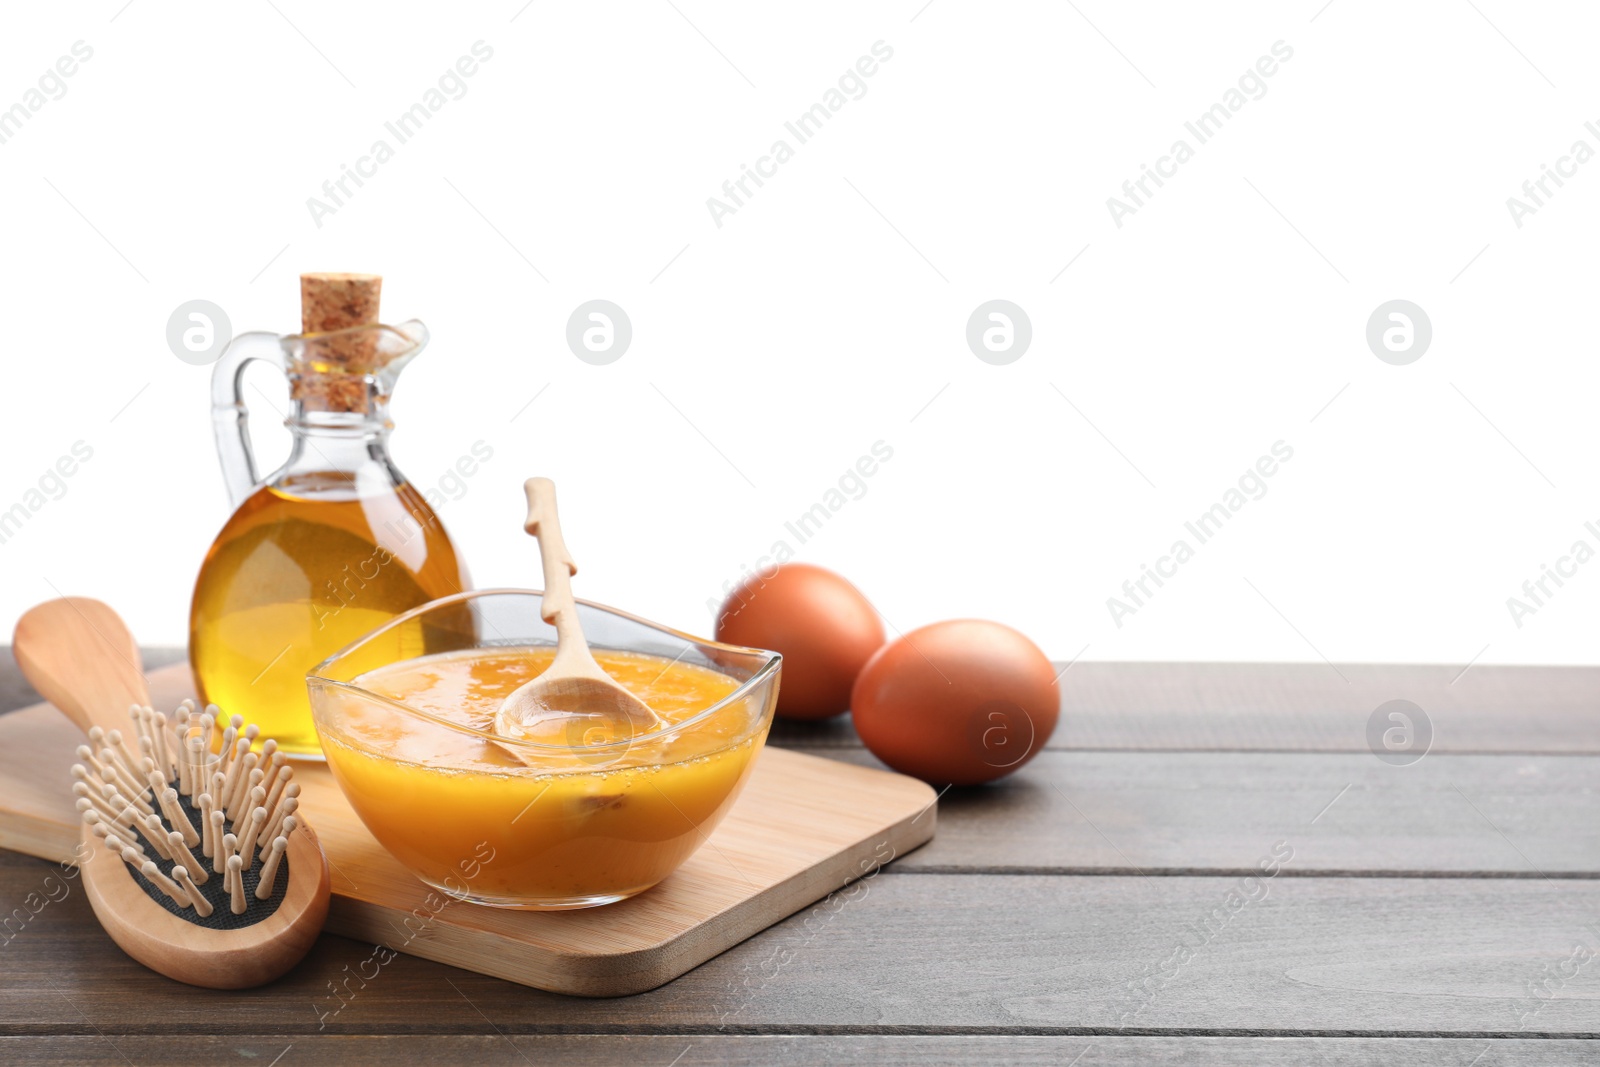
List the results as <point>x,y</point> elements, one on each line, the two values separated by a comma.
<point>79,655</point>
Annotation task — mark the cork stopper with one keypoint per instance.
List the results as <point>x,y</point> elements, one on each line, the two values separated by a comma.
<point>332,375</point>
<point>330,302</point>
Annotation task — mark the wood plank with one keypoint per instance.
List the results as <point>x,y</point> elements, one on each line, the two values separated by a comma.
<point>1252,706</point>
<point>902,953</point>
<point>1156,812</point>
<point>802,827</point>
<point>15,692</point>
<point>1194,813</point>
<point>807,1050</point>
<point>1121,811</point>
<point>1301,707</point>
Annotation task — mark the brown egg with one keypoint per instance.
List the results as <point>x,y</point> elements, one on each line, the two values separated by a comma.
<point>821,625</point>
<point>958,702</point>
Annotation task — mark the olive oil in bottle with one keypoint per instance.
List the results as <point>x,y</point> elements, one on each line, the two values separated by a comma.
<point>335,543</point>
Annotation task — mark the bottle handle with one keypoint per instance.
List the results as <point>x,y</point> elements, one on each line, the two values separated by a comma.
<point>229,415</point>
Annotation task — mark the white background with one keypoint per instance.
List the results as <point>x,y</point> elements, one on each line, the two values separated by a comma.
<point>830,310</point>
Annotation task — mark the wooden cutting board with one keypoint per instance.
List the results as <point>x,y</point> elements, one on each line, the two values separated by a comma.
<point>802,828</point>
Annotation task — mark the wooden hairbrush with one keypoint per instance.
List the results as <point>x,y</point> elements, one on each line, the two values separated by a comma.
<point>196,860</point>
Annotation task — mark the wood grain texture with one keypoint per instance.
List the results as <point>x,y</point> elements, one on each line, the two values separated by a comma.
<point>15,692</point>
<point>80,655</point>
<point>1300,707</point>
<point>802,827</point>
<point>1250,706</point>
<point>902,954</point>
<point>1317,707</point>
<point>810,1050</point>
<point>1195,813</point>
<point>992,967</point>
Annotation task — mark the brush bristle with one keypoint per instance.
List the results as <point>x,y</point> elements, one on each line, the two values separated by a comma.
<point>132,788</point>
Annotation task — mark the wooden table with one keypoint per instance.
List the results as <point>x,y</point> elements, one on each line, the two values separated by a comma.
<point>1106,905</point>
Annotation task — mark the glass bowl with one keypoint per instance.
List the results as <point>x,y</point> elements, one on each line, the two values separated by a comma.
<point>518,824</point>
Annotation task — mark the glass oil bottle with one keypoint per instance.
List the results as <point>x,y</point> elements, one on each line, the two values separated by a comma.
<point>336,542</point>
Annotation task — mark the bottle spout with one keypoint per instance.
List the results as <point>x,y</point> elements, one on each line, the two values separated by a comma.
<point>345,360</point>
<point>351,370</point>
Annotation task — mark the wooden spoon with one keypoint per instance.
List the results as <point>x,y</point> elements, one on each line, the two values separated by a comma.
<point>81,658</point>
<point>574,697</point>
